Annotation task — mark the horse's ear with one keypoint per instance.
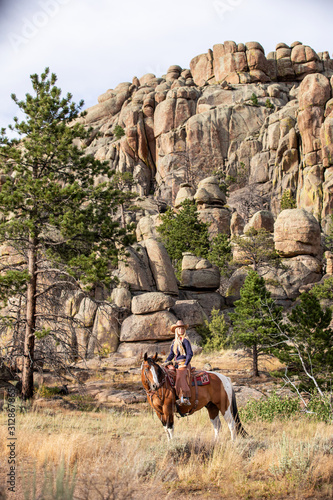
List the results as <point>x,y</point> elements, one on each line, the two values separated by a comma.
<point>145,357</point>
<point>156,358</point>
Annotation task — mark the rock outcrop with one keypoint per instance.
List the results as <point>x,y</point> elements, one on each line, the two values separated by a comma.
<point>233,133</point>
<point>297,232</point>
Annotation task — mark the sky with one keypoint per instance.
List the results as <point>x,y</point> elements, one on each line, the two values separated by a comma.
<point>93,45</point>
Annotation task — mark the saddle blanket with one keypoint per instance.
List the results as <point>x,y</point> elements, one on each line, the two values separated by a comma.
<point>202,377</point>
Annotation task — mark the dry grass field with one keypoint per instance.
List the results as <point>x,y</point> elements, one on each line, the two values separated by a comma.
<point>114,455</point>
<point>122,453</point>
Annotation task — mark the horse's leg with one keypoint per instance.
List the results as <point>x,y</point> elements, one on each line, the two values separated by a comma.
<point>167,421</point>
<point>225,404</point>
<point>228,417</point>
<point>214,417</point>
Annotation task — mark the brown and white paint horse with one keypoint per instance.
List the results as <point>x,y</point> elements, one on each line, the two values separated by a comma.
<point>217,396</point>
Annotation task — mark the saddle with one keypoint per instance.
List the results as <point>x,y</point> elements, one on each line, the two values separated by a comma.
<point>200,377</point>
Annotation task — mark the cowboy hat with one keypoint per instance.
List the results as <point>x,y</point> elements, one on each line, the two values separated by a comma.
<point>177,325</point>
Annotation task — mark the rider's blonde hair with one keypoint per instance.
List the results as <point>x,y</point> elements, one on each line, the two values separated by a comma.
<point>178,344</point>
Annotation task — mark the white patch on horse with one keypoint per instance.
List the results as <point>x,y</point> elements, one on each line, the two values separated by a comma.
<point>228,416</point>
<point>169,432</point>
<point>226,382</point>
<point>217,425</point>
<point>155,379</point>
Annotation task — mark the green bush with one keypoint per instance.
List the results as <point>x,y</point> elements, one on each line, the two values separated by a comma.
<point>119,132</point>
<point>323,290</point>
<point>214,332</point>
<point>268,104</point>
<point>287,200</point>
<point>321,408</point>
<point>220,252</point>
<point>273,407</point>
<point>254,99</point>
<point>48,392</point>
<point>184,232</point>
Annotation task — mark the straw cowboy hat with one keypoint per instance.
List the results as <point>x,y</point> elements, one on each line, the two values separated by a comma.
<point>177,325</point>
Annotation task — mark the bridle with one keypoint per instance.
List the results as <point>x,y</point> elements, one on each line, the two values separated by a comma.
<point>155,392</point>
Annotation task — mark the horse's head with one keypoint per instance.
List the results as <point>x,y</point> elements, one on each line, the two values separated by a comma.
<point>151,373</point>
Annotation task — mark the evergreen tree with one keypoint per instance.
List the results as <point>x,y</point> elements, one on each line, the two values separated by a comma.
<point>183,232</point>
<point>257,250</point>
<point>215,332</point>
<point>254,320</point>
<point>52,213</point>
<point>220,253</point>
<point>308,349</point>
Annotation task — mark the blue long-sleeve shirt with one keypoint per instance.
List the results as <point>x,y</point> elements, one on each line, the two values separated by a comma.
<point>179,357</point>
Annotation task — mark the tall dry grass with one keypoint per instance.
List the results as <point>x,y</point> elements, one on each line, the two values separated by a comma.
<point>119,455</point>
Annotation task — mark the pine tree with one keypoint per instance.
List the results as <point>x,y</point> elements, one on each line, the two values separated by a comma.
<point>308,349</point>
<point>257,249</point>
<point>183,232</point>
<point>254,319</point>
<point>52,213</point>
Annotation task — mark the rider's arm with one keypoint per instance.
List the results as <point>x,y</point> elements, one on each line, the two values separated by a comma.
<point>171,355</point>
<point>189,352</point>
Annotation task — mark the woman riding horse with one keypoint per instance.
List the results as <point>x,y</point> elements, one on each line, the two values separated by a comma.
<point>181,350</point>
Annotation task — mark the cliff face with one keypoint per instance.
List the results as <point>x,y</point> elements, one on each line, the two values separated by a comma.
<point>235,112</point>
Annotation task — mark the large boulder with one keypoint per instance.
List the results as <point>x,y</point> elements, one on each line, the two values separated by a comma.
<point>207,300</point>
<point>209,192</point>
<point>105,332</point>
<point>201,279</point>
<point>186,192</point>
<point>298,271</point>
<point>297,232</point>
<point>217,218</point>
<point>199,273</point>
<point>86,312</point>
<point>146,227</point>
<point>138,349</point>
<point>305,61</point>
<point>121,296</point>
<point>190,312</point>
<point>155,326</point>
<point>264,219</point>
<point>151,302</point>
<point>160,264</point>
<point>135,269</point>
<point>202,68</point>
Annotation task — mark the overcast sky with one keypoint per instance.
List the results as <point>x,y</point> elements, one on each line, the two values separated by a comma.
<point>92,45</point>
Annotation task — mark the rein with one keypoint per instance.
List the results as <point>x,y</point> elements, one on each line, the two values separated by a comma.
<point>151,393</point>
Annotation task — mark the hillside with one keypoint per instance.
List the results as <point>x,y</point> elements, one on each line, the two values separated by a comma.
<point>262,124</point>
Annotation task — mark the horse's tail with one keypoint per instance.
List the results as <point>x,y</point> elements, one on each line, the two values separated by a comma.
<point>234,410</point>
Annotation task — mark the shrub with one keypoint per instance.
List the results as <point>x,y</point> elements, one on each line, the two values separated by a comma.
<point>48,392</point>
<point>268,104</point>
<point>254,99</point>
<point>119,132</point>
<point>287,200</point>
<point>270,408</point>
<point>184,232</point>
<point>214,332</point>
<point>220,252</point>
